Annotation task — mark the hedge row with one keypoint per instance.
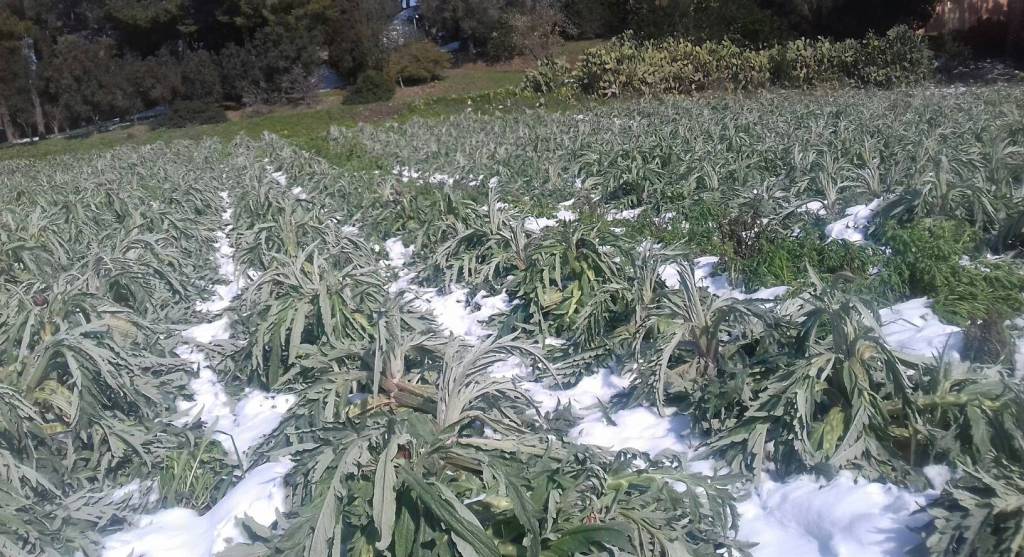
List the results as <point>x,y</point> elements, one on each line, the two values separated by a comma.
<point>627,66</point>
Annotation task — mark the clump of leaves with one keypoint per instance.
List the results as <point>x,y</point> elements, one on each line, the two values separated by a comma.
<point>703,340</point>
<point>572,285</point>
<point>827,399</point>
<point>427,478</point>
<point>326,296</point>
<point>979,513</point>
<point>785,260</point>
<point>194,478</point>
<point>926,261</point>
<point>483,248</point>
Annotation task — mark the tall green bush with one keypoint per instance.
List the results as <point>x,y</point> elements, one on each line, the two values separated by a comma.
<point>630,66</point>
<point>670,66</point>
<point>372,86</point>
<point>418,62</point>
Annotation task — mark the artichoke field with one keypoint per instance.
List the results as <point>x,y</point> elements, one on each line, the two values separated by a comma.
<point>635,330</point>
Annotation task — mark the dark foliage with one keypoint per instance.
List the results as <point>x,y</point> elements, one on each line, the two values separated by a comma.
<point>87,82</point>
<point>417,62</point>
<point>372,86</point>
<point>850,18</point>
<point>354,36</point>
<point>742,21</point>
<point>594,19</point>
<point>200,77</point>
<point>194,113</point>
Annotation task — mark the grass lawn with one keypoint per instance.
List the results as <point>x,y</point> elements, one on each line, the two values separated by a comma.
<point>306,126</point>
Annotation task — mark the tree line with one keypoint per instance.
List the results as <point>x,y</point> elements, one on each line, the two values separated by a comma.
<point>71,63</point>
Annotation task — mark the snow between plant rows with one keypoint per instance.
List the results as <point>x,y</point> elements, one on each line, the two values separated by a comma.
<point>237,426</point>
<point>846,516</point>
<point>803,515</point>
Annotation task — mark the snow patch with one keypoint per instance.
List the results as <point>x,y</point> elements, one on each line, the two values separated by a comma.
<point>407,174</point>
<point>512,367</point>
<point>1018,356</point>
<point>641,429</point>
<point>453,314</point>
<point>260,494</point>
<point>565,215</point>
<point>813,207</point>
<point>854,226</point>
<point>398,254</point>
<point>628,214</point>
<point>280,177</point>
<point>589,392</point>
<point>938,475</point>
<point>913,329</point>
<point>535,224</point>
<point>844,517</point>
<point>705,277</point>
<point>178,531</point>
<point>236,426</point>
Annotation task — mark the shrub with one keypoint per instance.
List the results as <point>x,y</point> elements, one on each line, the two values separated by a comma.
<point>899,58</point>
<point>194,113</point>
<point>89,81</point>
<point>157,78</point>
<point>537,31</point>
<point>353,36</point>
<point>896,59</point>
<point>926,261</point>
<point>276,65</point>
<point>680,66</point>
<point>372,86</point>
<point>806,63</point>
<point>418,62</point>
<point>776,261</point>
<point>200,77</point>
<point>239,71</point>
<point>669,66</point>
<point>550,76</point>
